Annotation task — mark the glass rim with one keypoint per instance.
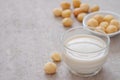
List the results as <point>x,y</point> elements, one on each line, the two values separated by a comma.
<point>81,27</point>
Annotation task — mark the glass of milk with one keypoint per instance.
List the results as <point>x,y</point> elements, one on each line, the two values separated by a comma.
<point>84,52</point>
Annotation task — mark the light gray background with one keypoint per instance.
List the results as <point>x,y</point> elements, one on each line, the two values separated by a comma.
<point>29,33</point>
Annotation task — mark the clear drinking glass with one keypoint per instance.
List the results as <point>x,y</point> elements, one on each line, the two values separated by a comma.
<point>84,51</point>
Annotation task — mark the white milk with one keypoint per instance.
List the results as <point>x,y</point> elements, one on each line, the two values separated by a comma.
<point>88,57</point>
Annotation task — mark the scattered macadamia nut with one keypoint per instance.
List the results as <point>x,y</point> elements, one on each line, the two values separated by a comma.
<point>77,11</point>
<point>115,22</point>
<point>99,18</point>
<point>94,8</point>
<point>76,3</point>
<point>65,5</point>
<point>81,16</point>
<point>56,57</point>
<point>104,24</point>
<point>66,13</point>
<point>67,22</point>
<point>111,29</point>
<point>50,68</point>
<point>92,22</point>
<point>57,12</point>
<point>84,7</point>
<point>108,18</point>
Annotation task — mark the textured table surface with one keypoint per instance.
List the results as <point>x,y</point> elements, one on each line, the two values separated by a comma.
<point>29,33</point>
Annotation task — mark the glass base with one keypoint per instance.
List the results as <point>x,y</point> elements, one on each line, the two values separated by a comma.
<point>86,75</point>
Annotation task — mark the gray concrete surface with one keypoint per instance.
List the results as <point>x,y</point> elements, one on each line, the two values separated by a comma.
<point>29,33</point>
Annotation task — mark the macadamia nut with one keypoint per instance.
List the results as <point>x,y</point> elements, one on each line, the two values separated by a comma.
<point>81,16</point>
<point>99,28</point>
<point>67,22</point>
<point>104,24</point>
<point>92,22</point>
<point>50,68</point>
<point>111,29</point>
<point>57,12</point>
<point>76,3</point>
<point>119,27</point>
<point>66,13</point>
<point>65,5</point>
<point>84,7</point>
<point>56,57</point>
<point>108,18</point>
<point>77,11</point>
<point>99,18</point>
<point>94,8</point>
<point>115,22</point>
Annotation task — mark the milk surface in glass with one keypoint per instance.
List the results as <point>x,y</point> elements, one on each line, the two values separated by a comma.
<point>84,53</point>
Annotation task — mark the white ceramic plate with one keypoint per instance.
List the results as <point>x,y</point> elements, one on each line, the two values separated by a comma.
<point>115,15</point>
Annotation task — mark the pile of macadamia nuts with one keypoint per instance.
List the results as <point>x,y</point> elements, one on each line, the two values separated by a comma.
<point>106,23</point>
<point>80,10</point>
